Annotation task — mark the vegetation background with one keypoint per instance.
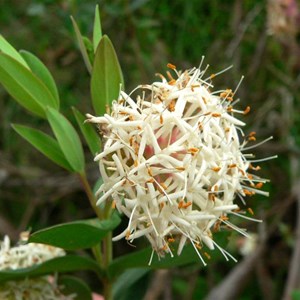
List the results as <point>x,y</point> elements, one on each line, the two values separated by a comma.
<point>261,40</point>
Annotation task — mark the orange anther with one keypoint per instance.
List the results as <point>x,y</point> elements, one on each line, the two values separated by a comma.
<point>198,246</point>
<point>165,247</point>
<point>149,172</point>
<point>171,106</point>
<point>123,113</point>
<point>163,186</point>
<point>150,180</point>
<point>259,185</point>
<point>212,76</point>
<point>113,204</point>
<point>136,163</point>
<point>247,110</point>
<point>257,168</point>
<point>216,115</point>
<point>172,82</point>
<point>207,255</point>
<point>186,205</point>
<point>224,218</point>
<point>180,168</point>
<point>171,66</point>
<point>252,138</point>
<point>180,204</point>
<point>232,166</point>
<point>212,197</point>
<point>216,169</point>
<point>250,211</point>
<point>248,193</point>
<point>243,172</point>
<point>131,141</point>
<point>193,150</point>
<point>194,86</point>
<point>171,240</point>
<point>252,133</point>
<point>161,120</point>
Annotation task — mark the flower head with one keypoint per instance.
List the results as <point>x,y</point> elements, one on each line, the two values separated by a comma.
<point>27,255</point>
<point>173,161</point>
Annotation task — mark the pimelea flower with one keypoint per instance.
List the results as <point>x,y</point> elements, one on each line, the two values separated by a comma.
<point>23,256</point>
<point>173,161</point>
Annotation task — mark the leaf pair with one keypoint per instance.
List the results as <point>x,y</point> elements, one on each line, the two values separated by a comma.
<point>102,64</point>
<point>27,80</point>
<point>66,150</point>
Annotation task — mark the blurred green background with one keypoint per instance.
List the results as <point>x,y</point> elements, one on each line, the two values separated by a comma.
<point>259,38</point>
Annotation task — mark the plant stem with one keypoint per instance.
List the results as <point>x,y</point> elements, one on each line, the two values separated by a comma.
<point>107,254</point>
<point>104,259</point>
<point>91,196</point>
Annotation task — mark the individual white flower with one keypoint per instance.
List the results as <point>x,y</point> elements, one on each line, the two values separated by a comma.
<point>23,256</point>
<point>173,161</point>
<point>247,245</point>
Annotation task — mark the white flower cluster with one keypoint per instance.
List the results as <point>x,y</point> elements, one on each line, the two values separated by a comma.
<point>173,163</point>
<point>41,288</point>
<point>23,256</point>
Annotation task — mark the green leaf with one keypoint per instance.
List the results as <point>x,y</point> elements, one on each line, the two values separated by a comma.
<point>43,143</point>
<point>74,285</point>
<point>89,48</point>
<point>68,139</point>
<point>140,259</point>
<point>88,131</point>
<point>24,86</point>
<point>126,280</point>
<point>82,46</point>
<point>68,263</point>
<point>75,235</point>
<point>296,295</point>
<point>8,49</point>
<point>97,33</point>
<point>41,71</point>
<point>107,76</point>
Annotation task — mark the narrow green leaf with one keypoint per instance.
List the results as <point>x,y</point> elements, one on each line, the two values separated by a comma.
<point>97,33</point>
<point>43,143</point>
<point>89,48</point>
<point>8,49</point>
<point>82,46</point>
<point>75,235</point>
<point>74,285</point>
<point>140,259</point>
<point>41,71</point>
<point>88,131</point>
<point>68,263</point>
<point>107,76</point>
<point>126,280</point>
<point>24,86</point>
<point>68,139</point>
